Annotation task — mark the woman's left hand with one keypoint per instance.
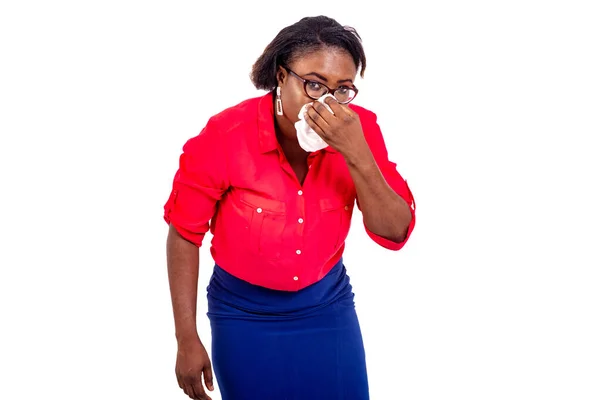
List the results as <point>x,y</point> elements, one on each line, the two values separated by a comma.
<point>341,130</point>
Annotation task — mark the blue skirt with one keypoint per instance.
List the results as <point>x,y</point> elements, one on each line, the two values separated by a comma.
<point>269,344</point>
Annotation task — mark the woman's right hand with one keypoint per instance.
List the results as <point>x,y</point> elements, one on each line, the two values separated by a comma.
<point>192,364</point>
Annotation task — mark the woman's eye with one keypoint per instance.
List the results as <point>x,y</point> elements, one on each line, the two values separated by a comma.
<point>314,86</point>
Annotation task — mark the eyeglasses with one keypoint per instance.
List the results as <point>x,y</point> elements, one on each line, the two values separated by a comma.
<point>314,90</point>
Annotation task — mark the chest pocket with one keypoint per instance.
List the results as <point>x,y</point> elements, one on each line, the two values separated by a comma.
<point>336,214</point>
<point>266,223</point>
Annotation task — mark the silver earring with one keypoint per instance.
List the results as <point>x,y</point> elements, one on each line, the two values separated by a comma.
<point>278,103</point>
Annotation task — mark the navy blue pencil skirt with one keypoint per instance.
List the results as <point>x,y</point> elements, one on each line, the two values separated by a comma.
<point>269,344</point>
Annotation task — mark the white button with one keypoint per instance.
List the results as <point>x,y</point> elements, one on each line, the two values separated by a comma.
<point>298,252</point>
<point>259,210</point>
<point>300,220</point>
<point>300,192</point>
<point>295,278</point>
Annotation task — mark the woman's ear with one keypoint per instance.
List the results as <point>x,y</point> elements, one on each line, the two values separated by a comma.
<point>281,74</point>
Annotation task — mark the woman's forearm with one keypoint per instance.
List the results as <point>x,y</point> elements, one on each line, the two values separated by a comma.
<point>385,213</point>
<point>183,265</point>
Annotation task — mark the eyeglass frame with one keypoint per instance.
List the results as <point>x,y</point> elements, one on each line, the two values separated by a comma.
<point>329,90</point>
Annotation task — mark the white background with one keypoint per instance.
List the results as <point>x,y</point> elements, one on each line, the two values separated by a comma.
<point>490,110</point>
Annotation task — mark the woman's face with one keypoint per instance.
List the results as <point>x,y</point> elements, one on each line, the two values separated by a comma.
<point>329,66</point>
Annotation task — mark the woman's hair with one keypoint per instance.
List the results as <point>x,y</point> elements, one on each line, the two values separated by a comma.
<point>305,36</point>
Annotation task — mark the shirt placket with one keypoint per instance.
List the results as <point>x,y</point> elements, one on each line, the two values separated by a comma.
<point>300,210</point>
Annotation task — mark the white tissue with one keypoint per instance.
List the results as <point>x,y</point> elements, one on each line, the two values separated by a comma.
<point>308,139</point>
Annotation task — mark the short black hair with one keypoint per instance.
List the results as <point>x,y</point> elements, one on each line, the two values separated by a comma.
<point>306,35</point>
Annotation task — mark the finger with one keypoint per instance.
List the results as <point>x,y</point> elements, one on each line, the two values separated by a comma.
<point>338,108</point>
<point>314,125</point>
<point>208,377</point>
<point>314,116</point>
<point>198,389</point>
<point>179,380</point>
<point>187,389</point>
<point>335,106</point>
<point>315,121</point>
<point>322,110</point>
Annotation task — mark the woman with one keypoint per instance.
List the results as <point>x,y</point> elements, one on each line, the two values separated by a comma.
<point>279,301</point>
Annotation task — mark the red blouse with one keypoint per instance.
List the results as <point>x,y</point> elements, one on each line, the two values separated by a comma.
<point>268,229</point>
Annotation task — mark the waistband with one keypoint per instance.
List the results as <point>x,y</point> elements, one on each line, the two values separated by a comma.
<point>227,289</point>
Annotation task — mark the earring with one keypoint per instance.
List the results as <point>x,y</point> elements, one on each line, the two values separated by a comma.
<point>278,103</point>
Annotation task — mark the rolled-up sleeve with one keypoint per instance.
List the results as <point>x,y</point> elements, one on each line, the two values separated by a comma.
<point>390,173</point>
<point>198,185</point>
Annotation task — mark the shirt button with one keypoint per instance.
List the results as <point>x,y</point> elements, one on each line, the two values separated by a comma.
<point>295,278</point>
<point>346,208</point>
<point>298,252</point>
<point>300,220</point>
<point>299,192</point>
<point>259,210</point>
